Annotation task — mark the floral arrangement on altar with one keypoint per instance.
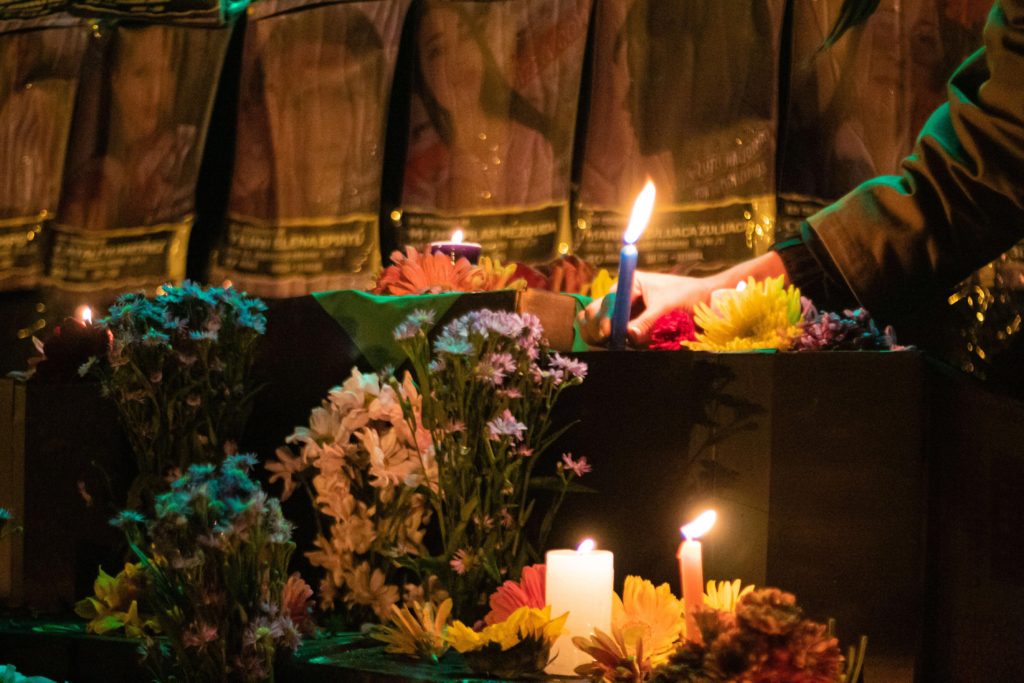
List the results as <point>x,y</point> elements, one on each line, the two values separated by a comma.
<point>768,315</point>
<point>428,483</point>
<point>425,272</point>
<point>178,370</point>
<point>745,634</point>
<point>211,579</point>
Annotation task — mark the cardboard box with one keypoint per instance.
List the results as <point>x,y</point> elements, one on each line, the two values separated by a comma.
<point>814,463</point>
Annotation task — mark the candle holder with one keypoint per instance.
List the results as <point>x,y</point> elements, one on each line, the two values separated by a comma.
<point>456,248</point>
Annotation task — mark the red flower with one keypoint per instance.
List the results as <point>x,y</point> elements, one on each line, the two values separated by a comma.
<point>511,595</point>
<point>672,329</point>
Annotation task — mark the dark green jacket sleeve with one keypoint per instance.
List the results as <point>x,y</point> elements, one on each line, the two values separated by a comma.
<point>959,202</point>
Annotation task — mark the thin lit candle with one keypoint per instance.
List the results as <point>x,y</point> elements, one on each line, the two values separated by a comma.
<point>638,220</point>
<point>85,314</point>
<point>691,569</point>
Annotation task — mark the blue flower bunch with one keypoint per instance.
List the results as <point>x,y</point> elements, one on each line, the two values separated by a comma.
<point>216,554</point>
<point>178,369</point>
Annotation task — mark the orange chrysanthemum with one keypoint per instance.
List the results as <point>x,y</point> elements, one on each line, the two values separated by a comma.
<point>417,272</point>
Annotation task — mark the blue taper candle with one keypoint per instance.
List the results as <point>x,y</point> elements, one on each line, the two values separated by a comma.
<point>642,209</point>
<point>623,297</point>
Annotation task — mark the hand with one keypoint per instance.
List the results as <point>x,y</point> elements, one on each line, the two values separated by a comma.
<point>658,293</point>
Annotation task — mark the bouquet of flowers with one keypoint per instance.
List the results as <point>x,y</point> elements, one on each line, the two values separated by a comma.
<point>487,386</point>
<point>178,370</point>
<point>768,315</point>
<point>416,272</point>
<point>746,634</point>
<point>215,559</point>
<point>364,468</point>
<point>455,443</point>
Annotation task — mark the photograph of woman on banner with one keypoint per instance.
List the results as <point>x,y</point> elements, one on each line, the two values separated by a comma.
<point>311,116</point>
<point>856,107</point>
<point>703,87</point>
<point>614,169</point>
<point>475,141</point>
<point>38,74</point>
<point>133,159</point>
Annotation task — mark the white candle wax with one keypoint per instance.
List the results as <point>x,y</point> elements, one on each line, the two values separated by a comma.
<point>578,582</point>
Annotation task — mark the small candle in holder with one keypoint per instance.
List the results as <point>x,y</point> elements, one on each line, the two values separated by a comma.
<point>691,569</point>
<point>642,208</point>
<point>456,248</point>
<point>578,582</point>
<point>84,314</point>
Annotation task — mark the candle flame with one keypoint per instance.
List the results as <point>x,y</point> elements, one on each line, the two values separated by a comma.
<point>586,545</point>
<point>84,314</point>
<point>699,526</point>
<point>458,236</point>
<point>641,215</point>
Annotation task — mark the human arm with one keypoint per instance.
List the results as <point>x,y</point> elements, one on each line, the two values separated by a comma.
<point>655,294</point>
<point>897,241</point>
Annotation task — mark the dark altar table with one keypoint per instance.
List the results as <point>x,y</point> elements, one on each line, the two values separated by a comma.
<point>850,479</point>
<point>62,651</point>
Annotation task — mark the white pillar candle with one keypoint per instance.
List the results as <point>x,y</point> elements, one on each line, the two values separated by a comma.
<point>579,582</point>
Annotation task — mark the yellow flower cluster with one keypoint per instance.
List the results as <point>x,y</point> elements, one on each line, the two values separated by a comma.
<point>525,622</point>
<point>419,633</point>
<point>648,614</point>
<point>765,315</point>
<point>115,604</point>
<point>647,626</point>
<point>724,595</point>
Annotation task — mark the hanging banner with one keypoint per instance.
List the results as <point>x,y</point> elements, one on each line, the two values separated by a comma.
<point>491,125</point>
<point>133,159</point>
<point>684,93</point>
<point>27,9</point>
<point>40,61</point>
<point>855,110</point>
<point>181,12</point>
<point>305,195</point>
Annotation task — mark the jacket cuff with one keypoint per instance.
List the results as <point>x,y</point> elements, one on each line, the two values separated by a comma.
<point>809,267</point>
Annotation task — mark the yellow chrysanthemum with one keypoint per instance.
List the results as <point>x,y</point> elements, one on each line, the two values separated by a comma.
<point>525,622</point>
<point>601,284</point>
<point>491,276</point>
<point>765,315</point>
<point>648,614</point>
<point>420,633</point>
<point>724,596</point>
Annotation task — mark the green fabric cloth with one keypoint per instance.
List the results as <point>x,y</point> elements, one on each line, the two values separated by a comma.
<point>577,340</point>
<point>370,319</point>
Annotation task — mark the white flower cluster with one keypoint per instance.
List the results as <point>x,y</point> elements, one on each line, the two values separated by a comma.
<point>370,458</point>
